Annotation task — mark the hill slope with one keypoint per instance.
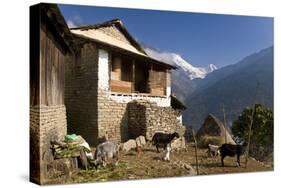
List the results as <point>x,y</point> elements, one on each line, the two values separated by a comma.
<point>235,86</point>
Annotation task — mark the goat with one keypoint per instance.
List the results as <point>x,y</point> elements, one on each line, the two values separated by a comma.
<point>213,150</point>
<point>105,151</point>
<point>161,140</point>
<point>232,150</point>
<point>97,162</point>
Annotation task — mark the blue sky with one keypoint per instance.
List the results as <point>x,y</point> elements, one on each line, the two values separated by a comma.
<point>201,39</point>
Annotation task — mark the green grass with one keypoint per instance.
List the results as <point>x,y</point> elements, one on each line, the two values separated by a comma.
<point>111,172</point>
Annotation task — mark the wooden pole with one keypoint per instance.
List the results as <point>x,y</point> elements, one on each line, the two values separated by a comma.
<point>133,76</point>
<point>250,126</point>
<point>196,155</point>
<point>249,135</point>
<point>224,119</point>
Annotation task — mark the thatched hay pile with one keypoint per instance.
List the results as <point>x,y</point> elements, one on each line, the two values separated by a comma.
<point>212,132</point>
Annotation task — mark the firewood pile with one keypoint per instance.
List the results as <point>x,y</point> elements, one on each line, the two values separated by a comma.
<point>70,147</point>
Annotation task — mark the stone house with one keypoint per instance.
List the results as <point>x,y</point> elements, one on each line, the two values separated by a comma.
<point>94,81</point>
<point>114,89</point>
<point>50,41</point>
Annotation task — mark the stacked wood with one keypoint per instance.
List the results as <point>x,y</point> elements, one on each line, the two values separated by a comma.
<point>68,149</point>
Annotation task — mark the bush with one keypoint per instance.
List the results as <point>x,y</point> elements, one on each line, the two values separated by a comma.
<point>261,145</point>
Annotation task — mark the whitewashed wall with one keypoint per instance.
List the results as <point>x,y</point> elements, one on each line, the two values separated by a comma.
<point>103,72</point>
<point>160,101</point>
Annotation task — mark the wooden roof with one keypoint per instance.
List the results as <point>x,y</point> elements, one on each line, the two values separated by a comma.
<point>94,33</point>
<point>118,23</point>
<point>53,13</point>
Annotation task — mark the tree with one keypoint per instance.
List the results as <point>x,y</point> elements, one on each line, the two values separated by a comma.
<point>261,146</point>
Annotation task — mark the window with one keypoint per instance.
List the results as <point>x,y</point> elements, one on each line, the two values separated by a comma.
<point>121,74</point>
<point>133,76</point>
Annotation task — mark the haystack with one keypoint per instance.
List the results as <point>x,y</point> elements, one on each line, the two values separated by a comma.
<point>212,132</point>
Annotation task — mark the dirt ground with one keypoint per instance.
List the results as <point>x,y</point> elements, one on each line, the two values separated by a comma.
<point>148,165</point>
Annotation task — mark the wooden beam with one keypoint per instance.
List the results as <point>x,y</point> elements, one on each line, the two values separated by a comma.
<point>196,154</point>
<point>109,68</point>
<point>133,75</point>
<point>150,72</point>
<point>224,119</point>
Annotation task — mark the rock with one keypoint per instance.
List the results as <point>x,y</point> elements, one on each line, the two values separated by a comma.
<point>130,144</point>
<point>140,141</point>
<point>189,168</point>
<point>178,143</point>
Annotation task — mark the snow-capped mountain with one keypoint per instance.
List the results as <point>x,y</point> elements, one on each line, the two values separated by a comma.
<point>176,60</point>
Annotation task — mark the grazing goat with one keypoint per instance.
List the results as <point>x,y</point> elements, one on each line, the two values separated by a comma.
<point>97,162</point>
<point>104,152</point>
<point>161,140</point>
<point>213,150</point>
<point>232,150</point>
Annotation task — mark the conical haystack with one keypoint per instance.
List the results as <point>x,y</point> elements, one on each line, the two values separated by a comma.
<point>212,132</point>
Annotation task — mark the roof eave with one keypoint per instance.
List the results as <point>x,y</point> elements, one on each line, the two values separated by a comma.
<point>56,17</point>
<point>168,66</point>
<point>120,25</point>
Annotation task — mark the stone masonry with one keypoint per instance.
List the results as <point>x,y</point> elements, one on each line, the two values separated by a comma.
<point>47,123</point>
<point>114,32</point>
<point>146,118</point>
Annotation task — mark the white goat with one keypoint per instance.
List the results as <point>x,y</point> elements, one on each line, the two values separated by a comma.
<point>213,150</point>
<point>166,154</point>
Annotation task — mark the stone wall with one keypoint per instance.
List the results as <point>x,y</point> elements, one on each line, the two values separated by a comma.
<point>146,118</point>
<point>81,83</point>
<point>114,32</point>
<point>112,118</point>
<point>47,123</point>
<point>34,143</point>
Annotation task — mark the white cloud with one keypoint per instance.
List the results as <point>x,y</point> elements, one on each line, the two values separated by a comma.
<point>70,24</point>
<point>74,21</point>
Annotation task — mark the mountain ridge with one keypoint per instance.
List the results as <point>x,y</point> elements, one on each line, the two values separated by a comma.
<point>175,59</point>
<point>235,86</point>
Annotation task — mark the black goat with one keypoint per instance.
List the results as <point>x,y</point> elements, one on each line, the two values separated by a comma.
<point>161,140</point>
<point>232,150</point>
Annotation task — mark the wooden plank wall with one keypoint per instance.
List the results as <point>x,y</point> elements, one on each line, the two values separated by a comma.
<point>34,55</point>
<point>157,80</point>
<point>121,86</point>
<point>51,69</point>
